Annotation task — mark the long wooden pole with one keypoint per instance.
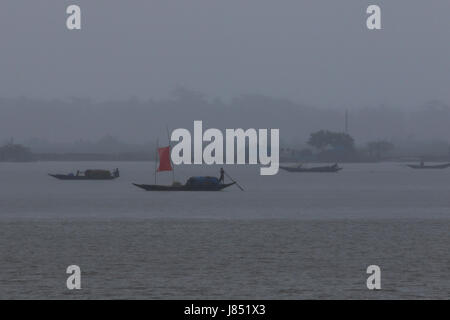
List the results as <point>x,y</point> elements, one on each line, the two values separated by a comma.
<point>237,184</point>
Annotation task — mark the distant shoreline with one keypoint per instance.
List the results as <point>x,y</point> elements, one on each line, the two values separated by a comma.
<point>147,157</point>
<point>93,157</point>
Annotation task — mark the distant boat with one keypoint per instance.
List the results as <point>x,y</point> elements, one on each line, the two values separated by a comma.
<point>422,166</point>
<point>89,175</point>
<point>300,168</point>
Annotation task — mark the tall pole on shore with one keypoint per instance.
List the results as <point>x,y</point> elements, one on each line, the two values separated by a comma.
<point>156,158</point>
<point>346,121</point>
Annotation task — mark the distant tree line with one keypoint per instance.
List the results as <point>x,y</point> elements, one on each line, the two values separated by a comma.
<point>329,146</point>
<point>15,153</point>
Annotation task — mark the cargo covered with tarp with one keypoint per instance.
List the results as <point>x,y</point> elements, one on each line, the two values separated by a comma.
<point>97,174</point>
<point>202,181</point>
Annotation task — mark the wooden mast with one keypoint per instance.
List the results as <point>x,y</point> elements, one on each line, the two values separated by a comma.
<point>170,158</point>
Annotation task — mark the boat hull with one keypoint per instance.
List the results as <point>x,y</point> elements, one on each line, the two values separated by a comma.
<point>438,166</point>
<point>153,187</point>
<point>68,177</point>
<point>317,169</point>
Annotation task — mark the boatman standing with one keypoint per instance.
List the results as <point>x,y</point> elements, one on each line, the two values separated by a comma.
<point>222,178</point>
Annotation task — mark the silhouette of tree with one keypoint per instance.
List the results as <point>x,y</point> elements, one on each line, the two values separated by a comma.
<point>379,149</point>
<point>336,140</point>
<point>15,153</point>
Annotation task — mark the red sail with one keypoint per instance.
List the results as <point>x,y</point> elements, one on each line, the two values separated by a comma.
<point>164,159</point>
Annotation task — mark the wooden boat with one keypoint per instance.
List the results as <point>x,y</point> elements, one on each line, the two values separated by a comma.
<point>185,187</point>
<point>192,184</point>
<point>89,175</point>
<point>300,168</point>
<point>74,177</point>
<point>436,166</point>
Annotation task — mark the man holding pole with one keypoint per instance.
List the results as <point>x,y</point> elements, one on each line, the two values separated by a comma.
<point>222,177</point>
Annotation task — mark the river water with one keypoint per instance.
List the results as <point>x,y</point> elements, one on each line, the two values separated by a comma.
<point>289,236</point>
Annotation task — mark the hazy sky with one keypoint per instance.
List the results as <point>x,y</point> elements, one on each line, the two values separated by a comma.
<point>317,52</point>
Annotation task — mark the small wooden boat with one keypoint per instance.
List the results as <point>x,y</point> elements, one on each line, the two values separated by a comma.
<point>185,187</point>
<point>74,177</point>
<point>300,168</point>
<point>436,166</point>
<point>89,175</point>
<point>205,183</point>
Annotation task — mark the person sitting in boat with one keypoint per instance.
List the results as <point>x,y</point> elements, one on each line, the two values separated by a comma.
<point>78,173</point>
<point>116,173</point>
<point>222,176</point>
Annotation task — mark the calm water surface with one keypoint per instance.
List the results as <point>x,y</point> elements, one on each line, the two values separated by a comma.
<point>289,236</point>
